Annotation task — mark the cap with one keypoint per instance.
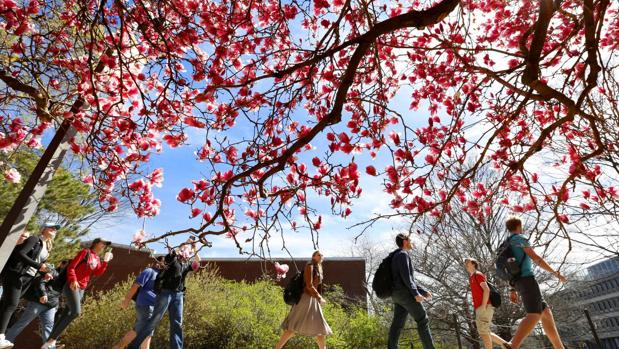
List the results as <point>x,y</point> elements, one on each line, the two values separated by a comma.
<point>98,240</point>
<point>51,225</point>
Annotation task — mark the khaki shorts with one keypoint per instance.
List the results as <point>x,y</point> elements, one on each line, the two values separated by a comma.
<point>483,319</point>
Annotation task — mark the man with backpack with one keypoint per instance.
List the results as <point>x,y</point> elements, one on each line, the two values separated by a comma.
<point>526,286</point>
<point>483,304</point>
<point>170,289</point>
<point>407,296</point>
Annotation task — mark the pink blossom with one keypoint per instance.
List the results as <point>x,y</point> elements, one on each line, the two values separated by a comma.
<point>281,270</point>
<point>12,176</point>
<point>139,236</point>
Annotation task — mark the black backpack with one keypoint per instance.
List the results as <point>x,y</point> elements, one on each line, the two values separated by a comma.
<point>507,268</point>
<point>382,284</point>
<point>495,296</point>
<point>294,289</point>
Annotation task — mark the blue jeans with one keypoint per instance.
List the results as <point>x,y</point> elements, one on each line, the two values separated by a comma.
<point>143,313</point>
<point>403,304</point>
<point>33,309</point>
<point>171,301</point>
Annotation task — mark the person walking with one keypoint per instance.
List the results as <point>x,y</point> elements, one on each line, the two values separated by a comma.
<point>484,311</point>
<point>407,296</point>
<point>144,288</point>
<point>26,260</point>
<point>43,299</point>
<point>527,287</point>
<point>85,264</point>
<point>306,317</point>
<point>170,289</point>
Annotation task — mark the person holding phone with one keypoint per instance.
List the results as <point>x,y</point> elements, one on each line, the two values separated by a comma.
<point>170,289</point>
<point>26,261</point>
<point>79,271</point>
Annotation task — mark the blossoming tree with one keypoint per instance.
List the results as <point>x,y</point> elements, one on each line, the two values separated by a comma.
<point>528,88</point>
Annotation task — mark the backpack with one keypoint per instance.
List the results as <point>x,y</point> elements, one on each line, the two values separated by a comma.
<point>506,266</point>
<point>495,296</point>
<point>382,284</point>
<point>61,279</point>
<point>294,289</point>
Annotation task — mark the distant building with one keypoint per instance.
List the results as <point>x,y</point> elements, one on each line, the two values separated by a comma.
<point>598,292</point>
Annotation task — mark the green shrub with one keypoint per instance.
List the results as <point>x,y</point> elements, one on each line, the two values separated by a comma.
<point>222,314</point>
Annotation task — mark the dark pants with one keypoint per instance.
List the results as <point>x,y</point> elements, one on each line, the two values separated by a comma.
<point>403,304</point>
<point>172,302</point>
<point>71,311</point>
<point>531,295</point>
<point>13,286</point>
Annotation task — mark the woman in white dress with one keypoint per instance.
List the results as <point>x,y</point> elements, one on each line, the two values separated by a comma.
<point>306,318</point>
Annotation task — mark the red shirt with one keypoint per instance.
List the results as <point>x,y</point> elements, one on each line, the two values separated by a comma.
<point>80,271</point>
<point>475,281</point>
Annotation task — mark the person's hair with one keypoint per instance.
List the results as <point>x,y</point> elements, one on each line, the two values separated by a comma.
<point>319,265</point>
<point>473,261</point>
<point>399,240</point>
<point>512,223</point>
<point>49,244</point>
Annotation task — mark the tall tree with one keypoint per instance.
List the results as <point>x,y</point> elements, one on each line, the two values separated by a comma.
<point>528,87</point>
<point>68,202</point>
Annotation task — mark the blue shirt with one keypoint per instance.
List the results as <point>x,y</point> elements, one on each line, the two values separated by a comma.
<point>146,294</point>
<point>518,244</point>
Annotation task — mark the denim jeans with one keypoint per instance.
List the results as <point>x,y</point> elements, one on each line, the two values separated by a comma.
<point>32,310</point>
<point>171,301</point>
<point>72,311</point>
<point>143,313</point>
<point>403,304</point>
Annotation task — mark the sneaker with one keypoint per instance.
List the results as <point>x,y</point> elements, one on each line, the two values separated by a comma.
<point>5,343</point>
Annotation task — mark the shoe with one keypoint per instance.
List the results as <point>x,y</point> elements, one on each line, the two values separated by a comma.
<point>48,346</point>
<point>5,343</point>
<point>506,346</point>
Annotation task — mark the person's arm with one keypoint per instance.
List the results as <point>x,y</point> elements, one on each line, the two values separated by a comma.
<point>22,253</point>
<point>403,269</point>
<point>542,263</point>
<point>308,276</point>
<point>484,286</point>
<point>132,291</point>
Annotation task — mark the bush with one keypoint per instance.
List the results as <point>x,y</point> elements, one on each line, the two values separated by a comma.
<point>222,314</point>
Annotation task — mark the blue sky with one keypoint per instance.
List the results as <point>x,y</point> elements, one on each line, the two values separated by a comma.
<point>336,236</point>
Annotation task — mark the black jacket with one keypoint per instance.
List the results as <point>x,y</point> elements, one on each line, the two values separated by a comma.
<point>174,273</point>
<point>42,288</point>
<point>24,256</point>
<point>404,275</point>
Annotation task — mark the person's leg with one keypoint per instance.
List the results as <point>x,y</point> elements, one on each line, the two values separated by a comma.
<point>46,322</point>
<point>550,328</point>
<point>284,339</point>
<point>146,343</point>
<point>30,313</point>
<point>322,342</point>
<point>127,338</point>
<point>532,301</point>
<point>399,319</point>
<point>161,306</point>
<point>498,340</point>
<point>11,286</point>
<point>417,311</point>
<point>175,313</point>
<point>72,310</point>
<point>524,329</point>
<point>483,319</point>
